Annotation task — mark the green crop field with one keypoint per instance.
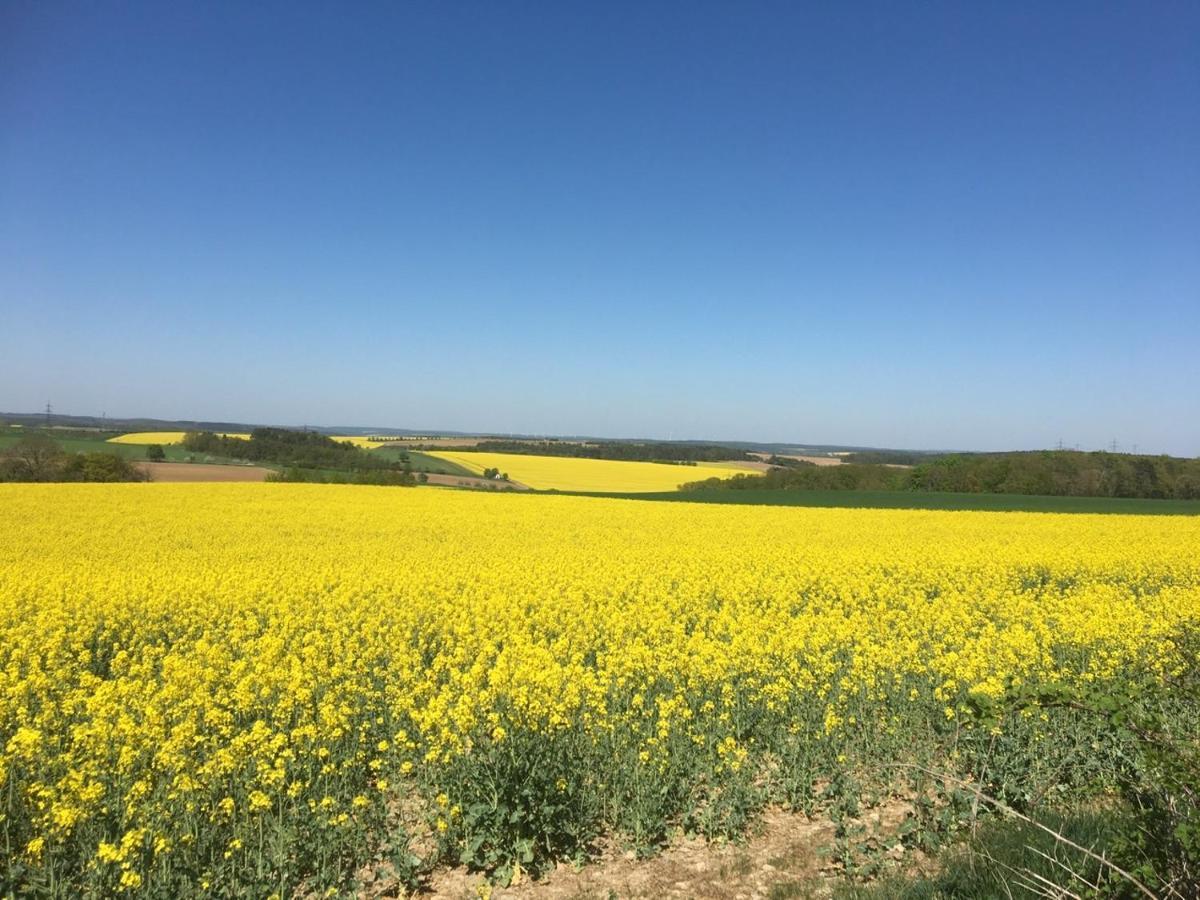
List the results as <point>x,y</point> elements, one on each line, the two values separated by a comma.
<point>100,444</point>
<point>423,462</point>
<point>928,500</point>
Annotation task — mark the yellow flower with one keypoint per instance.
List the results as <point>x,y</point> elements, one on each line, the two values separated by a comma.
<point>130,880</point>
<point>174,655</point>
<point>108,853</point>
<point>259,801</point>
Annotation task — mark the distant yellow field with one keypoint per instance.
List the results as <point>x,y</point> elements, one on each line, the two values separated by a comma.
<point>367,443</point>
<point>160,437</point>
<point>562,473</point>
<point>176,437</point>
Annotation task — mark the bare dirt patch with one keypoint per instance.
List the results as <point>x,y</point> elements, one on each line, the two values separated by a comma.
<point>785,855</point>
<point>815,460</point>
<point>743,465</point>
<point>179,472</point>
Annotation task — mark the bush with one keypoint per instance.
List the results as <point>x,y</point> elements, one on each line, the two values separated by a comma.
<point>99,467</point>
<point>38,458</point>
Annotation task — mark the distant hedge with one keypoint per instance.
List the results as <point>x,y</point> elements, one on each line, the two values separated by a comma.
<point>1055,473</point>
<point>284,446</point>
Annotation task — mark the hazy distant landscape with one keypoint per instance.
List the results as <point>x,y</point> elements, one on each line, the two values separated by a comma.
<point>784,474</point>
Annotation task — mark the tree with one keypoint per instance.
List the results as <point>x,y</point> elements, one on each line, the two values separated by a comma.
<point>35,458</point>
<point>156,453</point>
<point>99,467</point>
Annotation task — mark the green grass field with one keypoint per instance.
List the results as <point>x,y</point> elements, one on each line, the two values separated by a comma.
<point>919,500</point>
<point>75,443</point>
<point>100,444</point>
<point>422,462</point>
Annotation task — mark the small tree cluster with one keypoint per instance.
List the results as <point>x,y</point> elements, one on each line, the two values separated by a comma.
<point>38,458</point>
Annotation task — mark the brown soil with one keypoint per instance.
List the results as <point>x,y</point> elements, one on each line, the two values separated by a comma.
<point>815,460</point>
<point>744,465</point>
<point>171,471</point>
<point>785,855</point>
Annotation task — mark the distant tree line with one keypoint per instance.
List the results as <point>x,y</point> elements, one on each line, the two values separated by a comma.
<point>811,478</point>
<point>39,458</point>
<point>789,462</point>
<point>1062,473</point>
<point>294,449</point>
<point>634,451</point>
<point>889,457</point>
<point>1066,473</point>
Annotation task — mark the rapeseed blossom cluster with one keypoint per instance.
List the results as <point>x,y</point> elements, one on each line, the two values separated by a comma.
<point>247,687</point>
<point>568,473</point>
<point>162,437</point>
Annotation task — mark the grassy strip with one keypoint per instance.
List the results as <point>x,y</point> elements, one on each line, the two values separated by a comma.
<point>423,462</point>
<point>1006,858</point>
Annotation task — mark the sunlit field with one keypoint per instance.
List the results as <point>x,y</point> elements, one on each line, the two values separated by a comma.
<point>176,437</point>
<point>564,473</point>
<point>367,443</point>
<point>263,688</point>
<point>161,437</point>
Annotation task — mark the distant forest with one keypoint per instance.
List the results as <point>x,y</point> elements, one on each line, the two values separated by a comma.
<point>1062,473</point>
<point>285,447</point>
<point>634,451</point>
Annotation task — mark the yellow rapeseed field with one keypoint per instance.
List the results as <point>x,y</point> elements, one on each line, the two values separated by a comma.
<point>564,473</point>
<point>160,437</point>
<point>367,443</point>
<point>258,689</point>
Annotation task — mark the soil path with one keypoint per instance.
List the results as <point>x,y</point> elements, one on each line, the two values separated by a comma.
<point>785,855</point>
<point>171,471</point>
<point>815,460</point>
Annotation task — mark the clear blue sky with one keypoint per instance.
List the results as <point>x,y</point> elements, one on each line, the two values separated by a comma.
<point>971,225</point>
